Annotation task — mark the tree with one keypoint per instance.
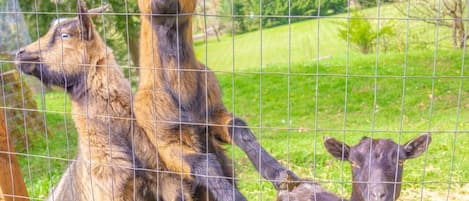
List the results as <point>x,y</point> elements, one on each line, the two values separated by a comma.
<point>123,26</point>
<point>13,32</point>
<point>276,12</point>
<point>208,24</point>
<point>428,10</point>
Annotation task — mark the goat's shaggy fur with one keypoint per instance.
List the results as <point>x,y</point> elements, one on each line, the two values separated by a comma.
<point>73,56</point>
<point>178,101</point>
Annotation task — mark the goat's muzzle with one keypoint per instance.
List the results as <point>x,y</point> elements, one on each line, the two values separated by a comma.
<point>26,62</point>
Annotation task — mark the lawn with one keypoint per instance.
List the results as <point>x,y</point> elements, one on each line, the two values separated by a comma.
<point>312,40</point>
<point>47,157</point>
<point>311,85</point>
<point>290,114</point>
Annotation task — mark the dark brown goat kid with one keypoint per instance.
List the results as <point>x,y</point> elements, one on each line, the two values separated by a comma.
<point>73,56</point>
<point>377,165</point>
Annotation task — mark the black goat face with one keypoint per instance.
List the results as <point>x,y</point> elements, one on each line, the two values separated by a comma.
<point>377,164</point>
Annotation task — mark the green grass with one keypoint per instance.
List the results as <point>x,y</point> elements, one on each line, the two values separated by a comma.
<point>294,121</point>
<point>290,114</point>
<point>310,40</point>
<point>48,154</point>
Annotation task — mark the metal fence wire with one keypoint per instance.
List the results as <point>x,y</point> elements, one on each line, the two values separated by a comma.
<point>298,72</point>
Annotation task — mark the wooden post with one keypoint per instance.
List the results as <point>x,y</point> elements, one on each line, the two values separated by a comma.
<point>12,186</point>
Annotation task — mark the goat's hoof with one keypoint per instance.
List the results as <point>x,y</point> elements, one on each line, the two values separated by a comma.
<point>164,6</point>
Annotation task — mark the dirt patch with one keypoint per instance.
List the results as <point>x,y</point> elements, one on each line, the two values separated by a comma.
<point>456,193</point>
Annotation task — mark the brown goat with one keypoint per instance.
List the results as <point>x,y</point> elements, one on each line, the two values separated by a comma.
<point>73,56</point>
<point>178,101</point>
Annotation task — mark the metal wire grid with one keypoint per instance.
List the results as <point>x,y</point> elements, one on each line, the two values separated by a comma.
<point>290,75</point>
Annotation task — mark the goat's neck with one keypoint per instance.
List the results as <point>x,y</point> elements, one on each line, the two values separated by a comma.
<point>103,85</point>
<point>166,49</point>
<point>174,43</point>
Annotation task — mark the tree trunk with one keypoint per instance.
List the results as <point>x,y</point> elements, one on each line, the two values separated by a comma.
<point>354,4</point>
<point>12,187</point>
<point>454,33</point>
<point>216,31</point>
<point>461,32</point>
<point>133,48</point>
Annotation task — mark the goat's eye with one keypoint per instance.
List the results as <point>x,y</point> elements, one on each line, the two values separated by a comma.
<point>65,35</point>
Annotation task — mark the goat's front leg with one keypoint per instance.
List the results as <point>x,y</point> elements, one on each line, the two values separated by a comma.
<point>233,130</point>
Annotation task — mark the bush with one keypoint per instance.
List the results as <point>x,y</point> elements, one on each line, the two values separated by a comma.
<point>362,34</point>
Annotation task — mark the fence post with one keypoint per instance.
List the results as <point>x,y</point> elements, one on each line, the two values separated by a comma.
<point>12,187</point>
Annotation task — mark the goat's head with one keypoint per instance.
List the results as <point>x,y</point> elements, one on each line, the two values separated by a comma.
<point>377,164</point>
<point>168,11</point>
<point>66,52</point>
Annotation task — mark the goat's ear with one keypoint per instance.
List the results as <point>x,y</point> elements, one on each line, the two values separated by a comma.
<point>417,146</point>
<point>95,11</point>
<point>336,148</point>
<point>86,25</point>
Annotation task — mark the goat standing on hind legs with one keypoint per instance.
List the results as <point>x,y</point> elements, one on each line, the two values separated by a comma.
<point>178,99</point>
<point>73,56</point>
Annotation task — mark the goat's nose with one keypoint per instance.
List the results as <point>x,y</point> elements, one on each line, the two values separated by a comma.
<point>378,194</point>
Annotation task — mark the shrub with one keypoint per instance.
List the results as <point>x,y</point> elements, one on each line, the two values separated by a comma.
<point>361,33</point>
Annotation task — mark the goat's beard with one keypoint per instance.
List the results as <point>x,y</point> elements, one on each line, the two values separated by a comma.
<point>27,66</point>
<point>53,78</point>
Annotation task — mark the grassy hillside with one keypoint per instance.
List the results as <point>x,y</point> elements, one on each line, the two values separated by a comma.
<point>290,114</point>
<point>314,39</point>
<point>295,111</point>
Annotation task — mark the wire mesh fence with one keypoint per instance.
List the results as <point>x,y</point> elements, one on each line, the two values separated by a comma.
<point>297,72</point>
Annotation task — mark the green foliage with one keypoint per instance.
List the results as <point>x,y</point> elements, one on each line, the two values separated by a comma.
<point>118,30</point>
<point>371,3</point>
<point>333,7</point>
<point>39,14</point>
<point>13,33</point>
<point>361,32</point>
<point>250,10</point>
<point>316,39</point>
